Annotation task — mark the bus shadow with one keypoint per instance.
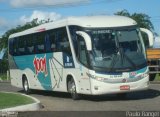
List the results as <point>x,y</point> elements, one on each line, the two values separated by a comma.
<point>49,93</point>
<point>148,94</point>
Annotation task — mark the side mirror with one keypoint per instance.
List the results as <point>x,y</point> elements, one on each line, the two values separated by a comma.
<point>86,38</point>
<point>150,36</point>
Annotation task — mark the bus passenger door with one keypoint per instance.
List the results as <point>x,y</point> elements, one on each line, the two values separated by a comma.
<point>83,66</point>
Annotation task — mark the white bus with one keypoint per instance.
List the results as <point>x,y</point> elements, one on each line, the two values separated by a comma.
<point>92,55</point>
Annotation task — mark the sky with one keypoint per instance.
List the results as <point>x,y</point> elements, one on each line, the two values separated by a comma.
<point>18,12</point>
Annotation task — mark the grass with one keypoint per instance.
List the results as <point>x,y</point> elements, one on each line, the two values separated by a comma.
<point>11,100</point>
<point>3,76</point>
<point>157,77</point>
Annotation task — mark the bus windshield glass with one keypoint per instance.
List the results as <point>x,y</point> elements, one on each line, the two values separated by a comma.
<point>116,49</point>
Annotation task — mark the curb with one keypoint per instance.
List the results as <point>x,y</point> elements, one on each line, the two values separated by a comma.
<point>28,107</point>
<point>5,81</point>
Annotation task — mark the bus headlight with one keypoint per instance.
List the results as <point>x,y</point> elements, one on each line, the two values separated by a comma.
<point>143,75</point>
<point>96,77</point>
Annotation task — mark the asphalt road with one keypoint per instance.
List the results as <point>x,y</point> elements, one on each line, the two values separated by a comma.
<point>148,100</point>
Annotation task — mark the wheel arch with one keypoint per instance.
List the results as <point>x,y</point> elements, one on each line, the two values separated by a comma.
<point>24,76</point>
<point>68,78</point>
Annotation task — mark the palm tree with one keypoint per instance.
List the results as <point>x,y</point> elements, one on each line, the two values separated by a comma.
<point>143,21</point>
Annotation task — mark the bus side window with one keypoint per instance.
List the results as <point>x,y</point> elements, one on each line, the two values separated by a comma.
<point>73,35</point>
<point>82,54</point>
<point>11,52</point>
<point>75,43</point>
<point>21,45</point>
<point>30,45</point>
<point>40,43</point>
<point>63,42</point>
<point>47,43</point>
<point>53,41</point>
<point>15,47</point>
<point>59,41</point>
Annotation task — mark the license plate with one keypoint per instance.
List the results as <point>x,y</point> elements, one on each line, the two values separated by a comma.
<point>125,87</point>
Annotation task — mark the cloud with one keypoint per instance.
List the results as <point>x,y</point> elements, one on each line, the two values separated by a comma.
<point>40,15</point>
<point>30,3</point>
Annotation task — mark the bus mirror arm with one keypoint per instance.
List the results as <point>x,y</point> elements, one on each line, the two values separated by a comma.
<point>86,38</point>
<point>150,36</point>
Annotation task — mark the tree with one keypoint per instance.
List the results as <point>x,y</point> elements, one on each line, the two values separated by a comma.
<point>143,21</point>
<point>5,36</point>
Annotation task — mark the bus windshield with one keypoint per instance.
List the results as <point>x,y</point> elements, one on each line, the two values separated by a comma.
<point>116,49</point>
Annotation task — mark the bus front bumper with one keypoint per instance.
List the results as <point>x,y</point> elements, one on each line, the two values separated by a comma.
<point>100,88</point>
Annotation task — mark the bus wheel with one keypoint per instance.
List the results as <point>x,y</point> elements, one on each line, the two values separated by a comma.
<point>26,86</point>
<point>152,77</point>
<point>72,89</point>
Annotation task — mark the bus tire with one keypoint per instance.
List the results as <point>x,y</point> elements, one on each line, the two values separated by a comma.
<point>152,77</point>
<point>26,86</point>
<point>72,89</point>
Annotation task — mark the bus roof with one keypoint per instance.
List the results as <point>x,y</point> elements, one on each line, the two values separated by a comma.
<point>85,21</point>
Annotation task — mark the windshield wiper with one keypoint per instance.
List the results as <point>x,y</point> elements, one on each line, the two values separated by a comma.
<point>123,55</point>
